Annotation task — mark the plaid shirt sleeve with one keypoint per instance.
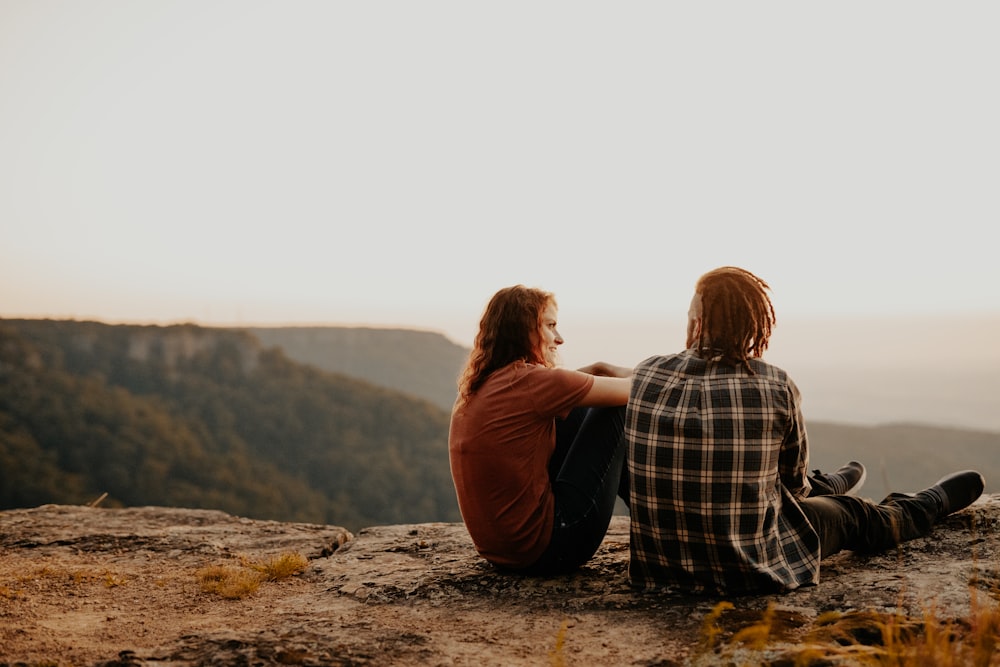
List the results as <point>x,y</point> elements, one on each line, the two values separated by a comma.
<point>717,457</point>
<point>793,462</point>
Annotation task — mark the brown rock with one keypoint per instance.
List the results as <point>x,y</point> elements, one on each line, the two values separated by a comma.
<point>88,586</point>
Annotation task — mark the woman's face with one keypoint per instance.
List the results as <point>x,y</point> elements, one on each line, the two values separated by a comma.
<point>549,338</point>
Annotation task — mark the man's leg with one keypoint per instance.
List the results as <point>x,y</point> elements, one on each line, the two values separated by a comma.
<point>855,524</point>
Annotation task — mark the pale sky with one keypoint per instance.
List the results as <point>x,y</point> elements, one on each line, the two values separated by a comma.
<point>395,163</point>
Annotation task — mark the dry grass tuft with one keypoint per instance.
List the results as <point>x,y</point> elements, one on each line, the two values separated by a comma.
<point>9,593</point>
<point>556,658</point>
<point>46,575</point>
<point>281,566</point>
<point>235,582</point>
<point>861,638</point>
<point>229,582</point>
<point>111,580</point>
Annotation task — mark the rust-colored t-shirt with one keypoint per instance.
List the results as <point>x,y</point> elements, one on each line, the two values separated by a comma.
<point>500,443</point>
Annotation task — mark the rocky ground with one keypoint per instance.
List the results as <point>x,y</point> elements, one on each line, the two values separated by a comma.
<point>115,587</point>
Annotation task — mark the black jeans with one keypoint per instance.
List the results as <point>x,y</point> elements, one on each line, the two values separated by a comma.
<point>856,524</point>
<point>588,473</point>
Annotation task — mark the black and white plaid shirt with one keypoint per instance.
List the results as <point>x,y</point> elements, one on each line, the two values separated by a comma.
<point>717,458</point>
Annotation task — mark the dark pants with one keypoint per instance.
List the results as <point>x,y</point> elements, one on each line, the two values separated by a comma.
<point>588,473</point>
<point>856,524</point>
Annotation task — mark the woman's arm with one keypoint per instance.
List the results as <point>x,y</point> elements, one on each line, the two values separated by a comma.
<point>608,391</point>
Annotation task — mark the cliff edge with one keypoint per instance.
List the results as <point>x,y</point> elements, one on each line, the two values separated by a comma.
<point>122,587</point>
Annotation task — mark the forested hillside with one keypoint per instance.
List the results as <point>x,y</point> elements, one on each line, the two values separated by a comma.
<point>209,418</point>
<point>421,363</point>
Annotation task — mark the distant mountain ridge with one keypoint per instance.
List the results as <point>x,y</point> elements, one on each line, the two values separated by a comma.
<point>420,363</point>
<point>904,457</point>
<point>248,421</point>
<point>899,457</point>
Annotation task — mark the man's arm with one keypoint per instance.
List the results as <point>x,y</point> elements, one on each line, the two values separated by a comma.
<point>793,462</point>
<point>605,369</point>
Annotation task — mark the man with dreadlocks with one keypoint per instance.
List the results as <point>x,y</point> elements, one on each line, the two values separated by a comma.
<point>718,457</point>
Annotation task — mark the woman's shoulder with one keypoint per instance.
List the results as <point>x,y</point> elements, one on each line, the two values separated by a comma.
<point>520,370</point>
<point>549,374</point>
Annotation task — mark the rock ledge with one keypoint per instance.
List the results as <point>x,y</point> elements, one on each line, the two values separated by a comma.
<point>88,586</point>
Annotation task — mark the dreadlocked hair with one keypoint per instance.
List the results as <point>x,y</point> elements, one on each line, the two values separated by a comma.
<point>737,315</point>
<point>506,334</point>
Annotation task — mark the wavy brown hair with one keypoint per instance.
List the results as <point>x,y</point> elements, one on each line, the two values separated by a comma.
<point>508,332</point>
<point>737,315</point>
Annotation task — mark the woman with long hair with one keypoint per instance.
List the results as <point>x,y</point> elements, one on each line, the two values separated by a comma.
<point>536,450</point>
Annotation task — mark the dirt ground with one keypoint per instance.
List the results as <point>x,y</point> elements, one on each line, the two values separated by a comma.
<point>85,586</point>
<point>123,587</point>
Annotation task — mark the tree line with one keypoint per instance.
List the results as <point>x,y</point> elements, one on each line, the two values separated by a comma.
<point>197,417</point>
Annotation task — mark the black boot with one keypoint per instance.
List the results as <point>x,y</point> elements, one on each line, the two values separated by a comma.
<point>846,480</point>
<point>852,476</point>
<point>955,492</point>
